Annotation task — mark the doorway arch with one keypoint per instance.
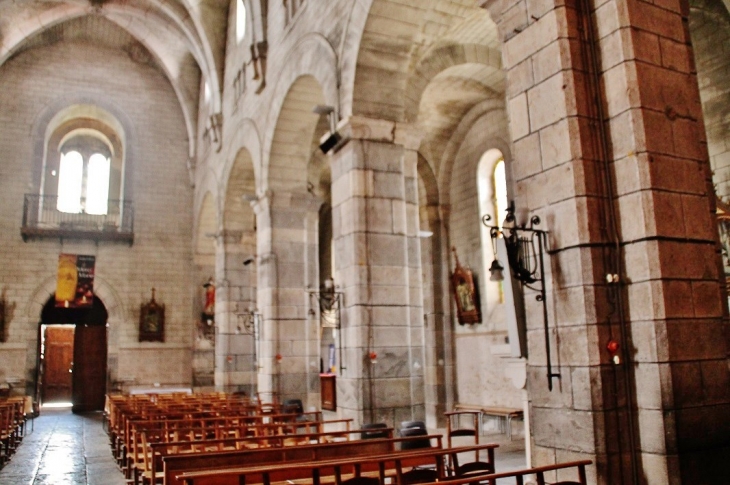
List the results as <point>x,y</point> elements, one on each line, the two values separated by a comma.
<point>89,355</point>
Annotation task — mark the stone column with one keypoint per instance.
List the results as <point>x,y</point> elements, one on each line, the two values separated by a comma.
<point>439,369</point>
<point>646,216</point>
<point>378,262</point>
<point>287,265</point>
<point>677,308</point>
<point>235,367</point>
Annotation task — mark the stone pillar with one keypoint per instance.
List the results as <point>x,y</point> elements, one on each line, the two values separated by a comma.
<point>439,369</point>
<point>287,266</point>
<point>677,307</point>
<point>378,262</point>
<point>235,366</point>
<point>650,220</point>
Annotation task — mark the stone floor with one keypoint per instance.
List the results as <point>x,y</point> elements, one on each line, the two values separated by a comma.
<point>61,448</point>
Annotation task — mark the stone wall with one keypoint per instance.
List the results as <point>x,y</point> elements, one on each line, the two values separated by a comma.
<point>36,84</point>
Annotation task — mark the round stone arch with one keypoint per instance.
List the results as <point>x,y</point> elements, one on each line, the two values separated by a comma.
<point>294,143</point>
<point>119,315</point>
<point>377,85</point>
<point>206,228</point>
<point>90,106</point>
<point>249,135</point>
<point>490,107</point>
<point>442,59</point>
<point>240,191</point>
<point>309,80</point>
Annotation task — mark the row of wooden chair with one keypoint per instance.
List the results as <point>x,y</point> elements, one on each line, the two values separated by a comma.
<point>137,422</point>
<point>12,425</point>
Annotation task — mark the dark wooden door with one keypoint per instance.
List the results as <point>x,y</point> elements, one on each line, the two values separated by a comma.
<point>57,363</point>
<point>89,376</point>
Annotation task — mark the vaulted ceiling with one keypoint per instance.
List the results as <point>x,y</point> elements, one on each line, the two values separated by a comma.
<point>185,39</point>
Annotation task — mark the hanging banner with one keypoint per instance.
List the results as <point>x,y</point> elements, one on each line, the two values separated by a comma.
<point>75,283</point>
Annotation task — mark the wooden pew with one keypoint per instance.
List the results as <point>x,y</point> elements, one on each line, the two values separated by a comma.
<point>158,451</point>
<point>177,465</point>
<point>331,469</point>
<point>244,425</point>
<point>520,475</point>
<point>142,434</point>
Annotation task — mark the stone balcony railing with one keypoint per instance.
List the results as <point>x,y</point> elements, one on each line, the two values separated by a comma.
<point>42,219</point>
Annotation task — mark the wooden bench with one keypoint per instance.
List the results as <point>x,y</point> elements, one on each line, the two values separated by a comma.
<point>383,465</point>
<point>520,475</point>
<point>504,414</point>
<point>240,425</point>
<point>177,465</point>
<point>138,456</point>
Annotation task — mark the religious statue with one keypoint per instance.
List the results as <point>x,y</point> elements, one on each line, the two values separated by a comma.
<point>465,294</point>
<point>209,306</point>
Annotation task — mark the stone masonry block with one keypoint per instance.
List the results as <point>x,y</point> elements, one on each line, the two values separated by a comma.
<point>388,185</point>
<point>678,299</point>
<point>547,62</point>
<point>559,142</point>
<point>379,216</point>
<point>622,92</point>
<point>655,437</point>
<point>702,427</point>
<point>675,55</point>
<point>564,428</point>
<point>527,159</point>
<point>386,250</point>
<point>530,40</point>
<point>652,379</point>
<point>627,134</point>
<point>520,78</point>
<point>519,117</point>
<point>548,102</point>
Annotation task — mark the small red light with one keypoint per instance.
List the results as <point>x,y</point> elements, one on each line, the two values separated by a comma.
<point>278,357</point>
<point>612,346</point>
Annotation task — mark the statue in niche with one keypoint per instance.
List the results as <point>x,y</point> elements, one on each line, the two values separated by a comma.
<point>465,294</point>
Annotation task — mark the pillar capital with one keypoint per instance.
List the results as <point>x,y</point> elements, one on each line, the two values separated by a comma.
<point>301,201</point>
<point>362,128</point>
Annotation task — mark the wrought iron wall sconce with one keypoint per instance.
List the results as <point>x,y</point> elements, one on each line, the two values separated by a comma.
<point>525,253</point>
<point>248,322</point>
<point>329,302</point>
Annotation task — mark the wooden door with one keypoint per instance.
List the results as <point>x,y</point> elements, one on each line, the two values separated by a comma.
<point>89,376</point>
<point>57,364</point>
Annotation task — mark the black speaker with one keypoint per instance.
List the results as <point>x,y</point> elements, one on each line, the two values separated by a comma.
<point>330,142</point>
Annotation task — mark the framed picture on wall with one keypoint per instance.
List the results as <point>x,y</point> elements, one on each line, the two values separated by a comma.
<point>152,321</point>
<point>465,294</point>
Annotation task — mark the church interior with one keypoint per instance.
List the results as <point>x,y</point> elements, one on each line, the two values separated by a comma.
<point>388,210</point>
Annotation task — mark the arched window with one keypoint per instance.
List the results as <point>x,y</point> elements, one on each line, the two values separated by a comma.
<point>70,181</point>
<point>240,20</point>
<point>500,192</point>
<point>492,190</point>
<point>83,174</point>
<point>97,184</point>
